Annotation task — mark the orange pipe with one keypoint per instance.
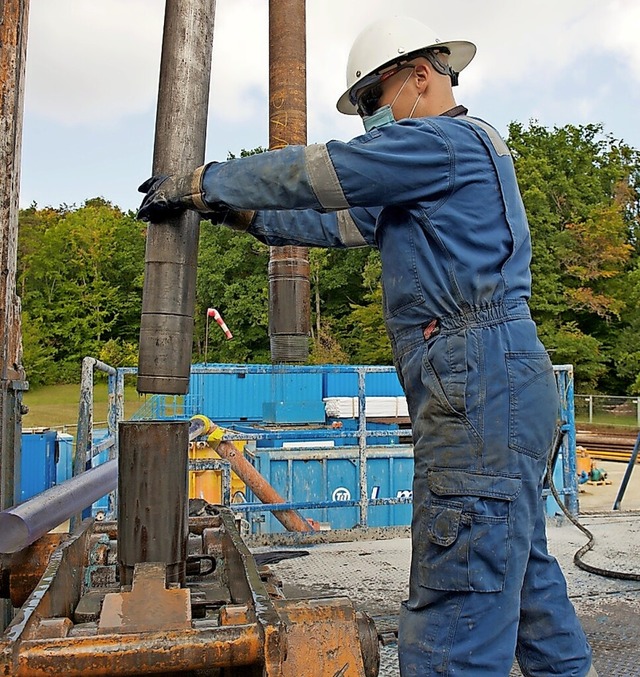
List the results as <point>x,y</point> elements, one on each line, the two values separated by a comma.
<point>291,520</point>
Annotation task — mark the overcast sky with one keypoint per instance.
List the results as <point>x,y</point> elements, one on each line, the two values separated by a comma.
<point>92,78</point>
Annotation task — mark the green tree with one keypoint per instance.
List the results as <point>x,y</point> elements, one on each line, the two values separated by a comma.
<point>580,189</point>
<point>369,342</point>
<point>80,277</point>
<point>232,277</point>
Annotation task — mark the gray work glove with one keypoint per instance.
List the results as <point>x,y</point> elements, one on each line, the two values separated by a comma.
<point>167,196</point>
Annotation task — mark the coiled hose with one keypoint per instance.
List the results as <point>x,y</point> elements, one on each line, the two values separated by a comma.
<point>577,558</point>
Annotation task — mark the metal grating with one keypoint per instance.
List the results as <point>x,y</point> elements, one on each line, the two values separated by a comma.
<point>374,575</point>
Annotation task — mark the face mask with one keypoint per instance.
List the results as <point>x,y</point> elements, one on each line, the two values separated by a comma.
<point>384,115</point>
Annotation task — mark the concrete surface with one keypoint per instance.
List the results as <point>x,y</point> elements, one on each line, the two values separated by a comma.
<point>374,575</point>
<point>593,498</point>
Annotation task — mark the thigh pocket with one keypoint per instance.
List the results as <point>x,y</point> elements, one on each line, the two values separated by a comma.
<point>465,530</point>
<point>533,402</point>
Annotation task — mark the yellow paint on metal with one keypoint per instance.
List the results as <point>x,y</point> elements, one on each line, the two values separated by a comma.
<point>325,629</point>
<point>207,484</point>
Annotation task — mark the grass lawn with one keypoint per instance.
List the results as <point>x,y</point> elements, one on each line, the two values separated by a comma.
<point>57,406</point>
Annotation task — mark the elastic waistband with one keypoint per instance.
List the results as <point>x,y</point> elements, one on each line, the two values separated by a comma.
<point>486,316</point>
<point>474,317</point>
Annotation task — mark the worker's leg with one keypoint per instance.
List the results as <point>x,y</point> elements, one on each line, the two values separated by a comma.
<point>479,585</point>
<point>461,617</point>
<point>483,419</point>
<point>550,638</point>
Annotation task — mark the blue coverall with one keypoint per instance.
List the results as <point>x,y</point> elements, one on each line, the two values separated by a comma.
<point>438,197</point>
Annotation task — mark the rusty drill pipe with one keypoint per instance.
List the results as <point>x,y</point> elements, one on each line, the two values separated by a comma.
<point>153,522</point>
<point>290,519</point>
<point>289,286</point>
<point>168,299</point>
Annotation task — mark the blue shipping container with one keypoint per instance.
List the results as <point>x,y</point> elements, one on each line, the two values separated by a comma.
<point>64,455</point>
<point>272,395</point>
<point>102,507</point>
<point>307,475</point>
<point>344,383</point>
<point>37,464</point>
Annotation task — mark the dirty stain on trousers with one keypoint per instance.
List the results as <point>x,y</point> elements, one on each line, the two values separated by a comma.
<point>483,401</point>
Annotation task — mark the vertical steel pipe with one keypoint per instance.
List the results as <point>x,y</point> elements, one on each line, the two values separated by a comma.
<point>289,287</point>
<point>13,51</point>
<point>153,497</point>
<point>14,19</point>
<point>168,300</point>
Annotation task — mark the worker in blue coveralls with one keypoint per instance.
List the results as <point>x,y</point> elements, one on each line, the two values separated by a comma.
<point>435,191</point>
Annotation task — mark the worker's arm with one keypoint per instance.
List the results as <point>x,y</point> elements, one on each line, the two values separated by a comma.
<point>309,228</point>
<point>403,163</point>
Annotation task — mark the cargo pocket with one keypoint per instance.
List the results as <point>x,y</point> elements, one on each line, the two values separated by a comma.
<point>465,530</point>
<point>533,402</point>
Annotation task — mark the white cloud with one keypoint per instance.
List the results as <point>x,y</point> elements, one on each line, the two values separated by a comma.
<point>92,62</point>
<point>96,62</point>
<point>240,66</point>
<point>620,34</point>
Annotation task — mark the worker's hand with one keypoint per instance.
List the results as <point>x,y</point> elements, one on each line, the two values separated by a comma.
<point>222,215</point>
<point>167,196</point>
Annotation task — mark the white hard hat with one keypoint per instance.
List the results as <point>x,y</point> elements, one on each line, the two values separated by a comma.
<point>390,40</point>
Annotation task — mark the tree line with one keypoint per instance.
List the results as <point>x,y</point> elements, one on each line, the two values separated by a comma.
<point>80,275</point>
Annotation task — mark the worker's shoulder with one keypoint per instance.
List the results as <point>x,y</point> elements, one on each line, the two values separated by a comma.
<point>467,125</point>
<point>443,124</point>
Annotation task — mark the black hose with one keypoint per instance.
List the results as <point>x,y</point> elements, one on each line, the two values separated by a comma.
<point>577,558</point>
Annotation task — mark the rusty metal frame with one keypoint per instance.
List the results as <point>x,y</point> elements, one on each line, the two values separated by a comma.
<point>257,627</point>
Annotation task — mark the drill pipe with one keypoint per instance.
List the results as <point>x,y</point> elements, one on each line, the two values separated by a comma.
<point>25,523</point>
<point>153,522</point>
<point>14,18</point>
<point>168,299</point>
<point>289,287</point>
<point>290,519</point>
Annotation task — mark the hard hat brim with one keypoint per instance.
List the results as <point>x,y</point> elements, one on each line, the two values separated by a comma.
<point>462,52</point>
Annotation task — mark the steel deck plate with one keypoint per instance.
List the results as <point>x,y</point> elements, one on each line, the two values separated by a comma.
<point>374,575</point>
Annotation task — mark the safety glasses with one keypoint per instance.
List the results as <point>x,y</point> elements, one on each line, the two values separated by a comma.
<point>369,91</point>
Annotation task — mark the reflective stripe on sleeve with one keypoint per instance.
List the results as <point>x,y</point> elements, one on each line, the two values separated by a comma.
<point>349,233</point>
<point>323,178</point>
<point>497,141</point>
<point>196,189</point>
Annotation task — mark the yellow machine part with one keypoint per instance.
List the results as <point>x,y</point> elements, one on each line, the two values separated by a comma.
<point>207,484</point>
<point>584,462</point>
